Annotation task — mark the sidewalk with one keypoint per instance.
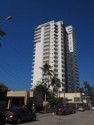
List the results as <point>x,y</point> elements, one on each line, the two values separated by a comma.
<point>43,114</point>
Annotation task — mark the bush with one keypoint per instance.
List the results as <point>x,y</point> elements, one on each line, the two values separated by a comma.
<point>55,101</point>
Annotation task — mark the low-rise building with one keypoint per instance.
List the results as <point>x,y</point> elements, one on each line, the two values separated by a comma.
<point>73,98</point>
<point>20,98</point>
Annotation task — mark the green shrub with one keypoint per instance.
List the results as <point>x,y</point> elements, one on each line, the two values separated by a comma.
<point>55,101</point>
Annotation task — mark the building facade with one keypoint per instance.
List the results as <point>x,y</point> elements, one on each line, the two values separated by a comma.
<point>52,46</point>
<point>72,65</point>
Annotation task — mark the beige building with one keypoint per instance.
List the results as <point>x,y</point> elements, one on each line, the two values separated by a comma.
<point>20,98</point>
<point>75,98</point>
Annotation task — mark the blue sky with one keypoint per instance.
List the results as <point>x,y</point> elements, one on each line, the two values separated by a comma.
<point>16,53</point>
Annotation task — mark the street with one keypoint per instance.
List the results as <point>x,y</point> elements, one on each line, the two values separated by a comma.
<point>80,118</point>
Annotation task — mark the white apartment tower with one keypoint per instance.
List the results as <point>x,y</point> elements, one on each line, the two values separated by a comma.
<point>52,46</point>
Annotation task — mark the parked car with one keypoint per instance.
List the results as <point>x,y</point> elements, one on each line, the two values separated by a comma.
<point>72,109</point>
<point>81,108</point>
<point>2,118</point>
<point>92,108</point>
<point>62,110</point>
<point>18,115</point>
<point>87,108</point>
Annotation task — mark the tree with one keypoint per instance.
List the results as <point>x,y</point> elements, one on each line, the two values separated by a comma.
<point>41,88</point>
<point>48,80</point>
<point>47,74</point>
<point>3,87</point>
<point>81,90</point>
<point>88,90</point>
<point>46,69</point>
<point>56,101</point>
<point>3,91</point>
<point>56,84</point>
<point>51,80</point>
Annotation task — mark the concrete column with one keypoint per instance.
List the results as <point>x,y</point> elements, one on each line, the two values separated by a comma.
<point>9,103</point>
<point>25,98</point>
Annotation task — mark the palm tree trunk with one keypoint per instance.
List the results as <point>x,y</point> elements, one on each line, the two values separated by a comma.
<point>45,103</point>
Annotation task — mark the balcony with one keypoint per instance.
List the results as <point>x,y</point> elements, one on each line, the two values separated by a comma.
<point>46,29</point>
<point>33,55</point>
<point>56,53</point>
<point>47,33</point>
<point>56,71</point>
<point>44,62</point>
<point>45,50</point>
<point>47,38</point>
<point>45,59</point>
<point>55,60</point>
<point>37,31</point>
<point>37,37</point>
<point>38,40</point>
<point>44,53</point>
<point>37,34</point>
<point>56,56</point>
<point>56,45</point>
<point>46,56</point>
<point>56,49</point>
<point>46,43</point>
<point>34,59</point>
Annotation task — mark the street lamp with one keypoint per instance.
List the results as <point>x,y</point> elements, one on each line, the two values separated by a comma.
<point>6,19</point>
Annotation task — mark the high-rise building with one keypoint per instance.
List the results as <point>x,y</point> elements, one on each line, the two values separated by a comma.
<point>72,65</point>
<point>53,45</point>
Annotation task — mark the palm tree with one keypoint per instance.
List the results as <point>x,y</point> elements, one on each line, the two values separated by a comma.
<point>47,74</point>
<point>56,84</point>
<point>46,80</point>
